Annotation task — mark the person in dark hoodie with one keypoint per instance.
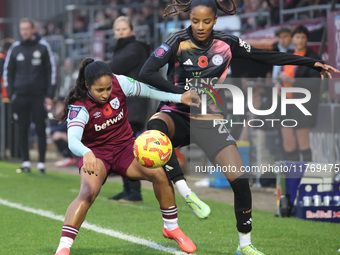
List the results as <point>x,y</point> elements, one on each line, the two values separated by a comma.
<point>128,58</point>
<point>29,76</point>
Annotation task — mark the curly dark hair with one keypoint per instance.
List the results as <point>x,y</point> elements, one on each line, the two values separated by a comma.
<point>179,6</point>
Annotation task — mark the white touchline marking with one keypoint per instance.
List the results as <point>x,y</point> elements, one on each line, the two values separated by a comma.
<point>95,228</point>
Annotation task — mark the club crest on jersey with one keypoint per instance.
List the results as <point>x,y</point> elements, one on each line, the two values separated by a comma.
<point>115,103</point>
<point>217,60</point>
<point>162,51</point>
<point>74,112</point>
<point>36,54</point>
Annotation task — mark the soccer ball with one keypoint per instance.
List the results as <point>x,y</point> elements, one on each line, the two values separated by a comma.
<point>152,148</point>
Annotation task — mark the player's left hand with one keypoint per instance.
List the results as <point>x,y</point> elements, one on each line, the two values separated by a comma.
<point>326,69</point>
<point>90,163</point>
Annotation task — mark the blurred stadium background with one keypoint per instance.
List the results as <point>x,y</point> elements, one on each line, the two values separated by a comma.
<point>77,29</point>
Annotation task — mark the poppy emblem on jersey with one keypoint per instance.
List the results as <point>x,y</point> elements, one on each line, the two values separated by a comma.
<point>217,60</point>
<point>115,103</point>
<point>162,51</point>
<point>74,112</point>
<point>203,61</point>
<point>107,110</point>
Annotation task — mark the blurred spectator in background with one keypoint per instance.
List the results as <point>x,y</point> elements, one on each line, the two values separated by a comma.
<point>284,44</point>
<point>112,14</point>
<point>59,137</point>
<point>40,28</point>
<point>148,15</point>
<point>251,6</point>
<point>133,14</point>
<point>101,22</point>
<point>296,140</point>
<point>274,9</point>
<point>69,75</point>
<point>79,25</point>
<point>128,58</point>
<point>30,76</point>
<point>5,44</point>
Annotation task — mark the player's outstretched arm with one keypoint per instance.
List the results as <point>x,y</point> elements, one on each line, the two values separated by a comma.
<point>134,88</point>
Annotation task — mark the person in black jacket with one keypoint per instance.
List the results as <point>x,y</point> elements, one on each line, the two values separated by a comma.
<point>30,75</point>
<point>128,58</point>
<point>296,140</point>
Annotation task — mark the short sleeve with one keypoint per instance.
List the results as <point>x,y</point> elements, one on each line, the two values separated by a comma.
<point>130,87</point>
<point>77,116</point>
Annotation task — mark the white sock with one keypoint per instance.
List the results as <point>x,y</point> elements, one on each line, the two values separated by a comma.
<point>41,165</point>
<point>183,188</point>
<point>170,224</point>
<point>26,164</point>
<point>245,239</point>
<point>170,218</point>
<point>65,242</point>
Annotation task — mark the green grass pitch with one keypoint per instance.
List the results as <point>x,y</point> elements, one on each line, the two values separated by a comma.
<point>23,232</point>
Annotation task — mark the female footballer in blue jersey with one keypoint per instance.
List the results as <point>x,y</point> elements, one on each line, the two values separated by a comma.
<point>198,55</point>
<point>100,134</point>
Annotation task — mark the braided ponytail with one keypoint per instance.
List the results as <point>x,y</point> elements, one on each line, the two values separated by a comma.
<point>180,6</point>
<point>227,6</point>
<point>177,7</point>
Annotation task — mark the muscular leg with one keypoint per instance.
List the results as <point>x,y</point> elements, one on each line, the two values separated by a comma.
<point>230,156</point>
<point>164,123</point>
<point>77,210</point>
<point>161,185</point>
<point>89,190</point>
<point>132,189</point>
<point>165,195</point>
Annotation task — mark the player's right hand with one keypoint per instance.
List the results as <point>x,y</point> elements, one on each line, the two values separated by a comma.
<point>191,98</point>
<point>90,163</point>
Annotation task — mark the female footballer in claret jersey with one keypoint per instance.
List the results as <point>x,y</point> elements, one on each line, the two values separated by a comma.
<point>201,52</point>
<point>100,134</point>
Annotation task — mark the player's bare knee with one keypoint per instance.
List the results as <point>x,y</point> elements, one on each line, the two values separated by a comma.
<point>159,175</point>
<point>88,194</point>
